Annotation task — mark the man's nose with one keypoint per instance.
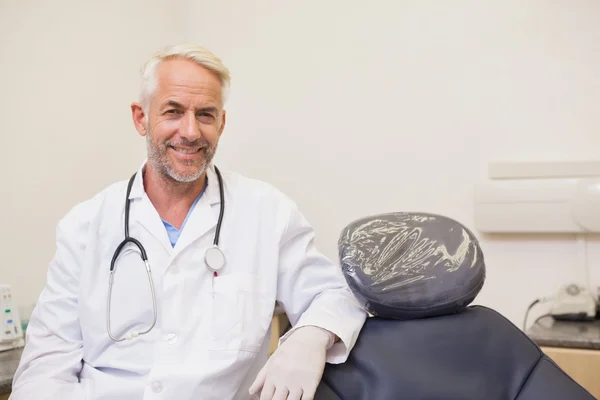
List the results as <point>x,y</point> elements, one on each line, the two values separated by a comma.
<point>189,127</point>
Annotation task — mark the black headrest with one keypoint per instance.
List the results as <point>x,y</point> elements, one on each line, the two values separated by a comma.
<point>411,265</point>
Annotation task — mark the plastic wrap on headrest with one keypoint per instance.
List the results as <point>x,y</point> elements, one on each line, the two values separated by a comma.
<point>411,265</point>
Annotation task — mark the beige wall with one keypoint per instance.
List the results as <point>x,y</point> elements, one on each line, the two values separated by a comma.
<point>351,107</point>
<point>68,72</point>
<point>357,107</point>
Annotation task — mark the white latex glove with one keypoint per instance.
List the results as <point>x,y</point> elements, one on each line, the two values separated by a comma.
<point>295,369</point>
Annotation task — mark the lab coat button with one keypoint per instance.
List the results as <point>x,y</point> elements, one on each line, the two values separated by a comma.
<point>171,338</point>
<point>157,387</point>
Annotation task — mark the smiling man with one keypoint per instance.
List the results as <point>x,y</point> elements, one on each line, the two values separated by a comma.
<point>164,286</point>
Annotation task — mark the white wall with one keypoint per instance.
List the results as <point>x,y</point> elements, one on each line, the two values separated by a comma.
<point>68,73</point>
<point>356,107</point>
<point>350,107</point>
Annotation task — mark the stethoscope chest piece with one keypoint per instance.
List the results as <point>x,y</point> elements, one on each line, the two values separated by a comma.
<point>214,258</point>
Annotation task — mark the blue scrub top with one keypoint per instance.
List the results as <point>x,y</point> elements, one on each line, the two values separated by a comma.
<point>174,232</point>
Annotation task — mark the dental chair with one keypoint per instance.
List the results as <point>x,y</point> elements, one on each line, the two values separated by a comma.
<point>417,274</point>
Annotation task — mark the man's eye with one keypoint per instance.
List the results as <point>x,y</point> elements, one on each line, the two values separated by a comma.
<point>172,111</point>
<point>206,116</point>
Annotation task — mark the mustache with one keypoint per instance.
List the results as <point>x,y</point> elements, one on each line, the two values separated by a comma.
<point>202,143</point>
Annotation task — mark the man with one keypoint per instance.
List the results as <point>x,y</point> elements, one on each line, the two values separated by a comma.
<point>181,329</point>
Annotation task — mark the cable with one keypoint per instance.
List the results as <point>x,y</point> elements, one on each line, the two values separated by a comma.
<point>536,301</point>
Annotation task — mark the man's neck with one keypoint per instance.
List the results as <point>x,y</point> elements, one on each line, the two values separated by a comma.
<point>171,199</point>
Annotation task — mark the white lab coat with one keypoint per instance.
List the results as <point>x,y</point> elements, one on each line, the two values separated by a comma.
<point>209,342</point>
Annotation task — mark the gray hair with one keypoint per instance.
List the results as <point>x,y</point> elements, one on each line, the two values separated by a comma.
<point>191,52</point>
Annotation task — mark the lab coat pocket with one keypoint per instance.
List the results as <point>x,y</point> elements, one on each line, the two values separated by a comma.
<point>240,313</point>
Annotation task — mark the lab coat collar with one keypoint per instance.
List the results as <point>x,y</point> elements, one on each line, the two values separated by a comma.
<point>201,220</point>
<point>137,189</point>
<point>211,193</point>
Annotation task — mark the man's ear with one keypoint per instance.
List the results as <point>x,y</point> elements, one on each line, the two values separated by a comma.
<point>139,118</point>
<point>223,120</point>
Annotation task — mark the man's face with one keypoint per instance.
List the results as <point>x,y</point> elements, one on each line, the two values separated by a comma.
<point>184,120</point>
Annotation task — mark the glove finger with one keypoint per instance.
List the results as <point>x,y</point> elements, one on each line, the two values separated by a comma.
<point>268,391</point>
<point>295,394</point>
<point>259,381</point>
<point>281,393</point>
<point>308,394</point>
<point>308,391</point>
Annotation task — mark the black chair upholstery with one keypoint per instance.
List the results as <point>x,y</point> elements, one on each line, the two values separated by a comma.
<point>430,344</point>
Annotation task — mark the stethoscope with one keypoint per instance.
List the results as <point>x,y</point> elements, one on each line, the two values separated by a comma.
<point>213,257</point>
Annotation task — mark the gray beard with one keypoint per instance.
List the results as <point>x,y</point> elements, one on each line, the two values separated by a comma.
<point>159,160</point>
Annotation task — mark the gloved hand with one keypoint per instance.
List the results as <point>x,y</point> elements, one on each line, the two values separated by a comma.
<point>295,369</point>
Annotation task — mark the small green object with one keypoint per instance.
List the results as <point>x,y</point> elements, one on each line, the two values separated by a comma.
<point>6,311</point>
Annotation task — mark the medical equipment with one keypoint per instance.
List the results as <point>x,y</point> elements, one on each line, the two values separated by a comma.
<point>214,257</point>
<point>574,303</point>
<point>11,333</point>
